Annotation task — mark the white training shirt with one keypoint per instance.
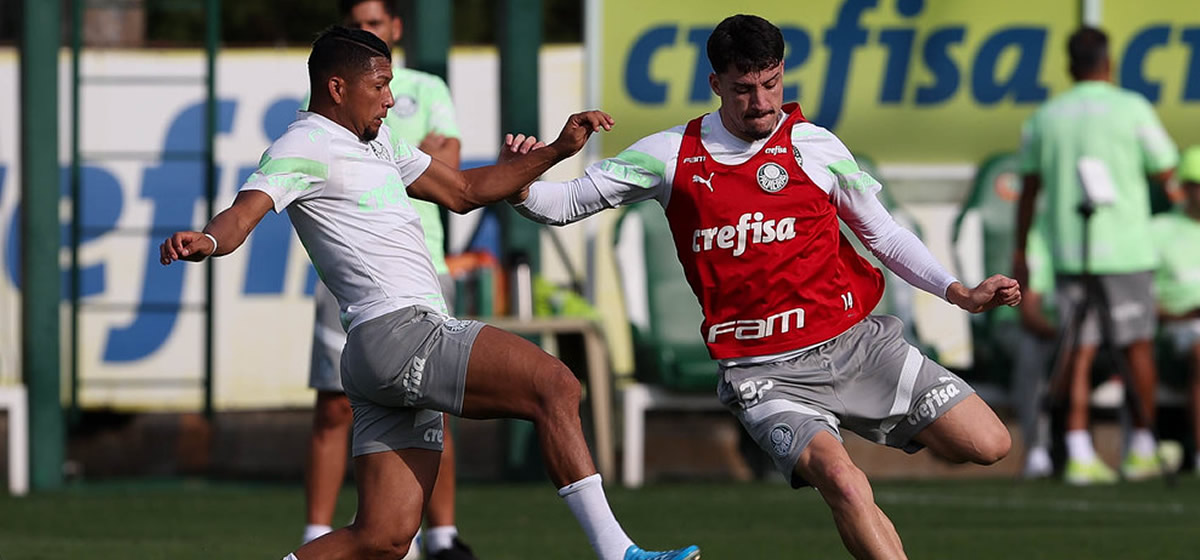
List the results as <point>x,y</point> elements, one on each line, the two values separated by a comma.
<point>347,200</point>
<point>646,170</point>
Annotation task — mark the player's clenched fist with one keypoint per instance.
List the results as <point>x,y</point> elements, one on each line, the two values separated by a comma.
<point>191,246</point>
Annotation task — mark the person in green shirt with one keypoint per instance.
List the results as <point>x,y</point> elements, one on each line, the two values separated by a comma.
<point>1177,279</point>
<point>1116,130</point>
<point>423,114</point>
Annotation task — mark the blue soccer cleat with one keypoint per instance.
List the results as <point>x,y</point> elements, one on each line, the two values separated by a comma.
<point>636,553</point>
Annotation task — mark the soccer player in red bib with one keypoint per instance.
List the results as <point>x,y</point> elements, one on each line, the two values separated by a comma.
<point>754,194</point>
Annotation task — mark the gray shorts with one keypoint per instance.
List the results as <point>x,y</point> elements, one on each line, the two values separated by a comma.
<point>1130,301</point>
<point>400,372</point>
<point>325,369</point>
<point>868,379</point>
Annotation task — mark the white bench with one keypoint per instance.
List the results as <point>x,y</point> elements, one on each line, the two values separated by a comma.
<point>13,398</point>
<point>636,400</point>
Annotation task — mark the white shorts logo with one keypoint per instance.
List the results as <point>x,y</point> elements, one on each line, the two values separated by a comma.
<point>433,435</point>
<point>455,326</point>
<point>411,380</point>
<point>932,402</point>
<point>772,177</point>
<point>781,439</point>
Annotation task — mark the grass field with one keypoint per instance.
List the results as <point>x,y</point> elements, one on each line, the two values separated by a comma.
<point>183,520</point>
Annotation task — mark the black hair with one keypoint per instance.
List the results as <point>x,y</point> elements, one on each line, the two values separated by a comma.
<point>345,6</point>
<point>1087,51</point>
<point>345,52</point>
<point>749,43</point>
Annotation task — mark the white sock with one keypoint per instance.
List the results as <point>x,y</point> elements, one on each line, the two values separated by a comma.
<point>1037,460</point>
<point>587,501</point>
<point>1079,446</point>
<point>313,532</point>
<point>290,557</point>
<point>440,538</point>
<point>1141,442</point>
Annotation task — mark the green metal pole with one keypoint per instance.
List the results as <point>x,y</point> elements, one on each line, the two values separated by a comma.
<point>40,366</point>
<point>520,39</point>
<point>427,34</point>
<point>76,203</point>
<point>212,38</point>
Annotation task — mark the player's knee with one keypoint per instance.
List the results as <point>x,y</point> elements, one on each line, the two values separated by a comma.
<point>332,412</point>
<point>992,446</point>
<point>843,484</point>
<point>559,388</point>
<point>383,545</point>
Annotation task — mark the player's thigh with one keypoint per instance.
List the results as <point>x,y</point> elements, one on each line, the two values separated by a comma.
<point>890,390</point>
<point>783,406</point>
<point>508,376</point>
<point>968,431</point>
<point>393,487</point>
<point>409,358</point>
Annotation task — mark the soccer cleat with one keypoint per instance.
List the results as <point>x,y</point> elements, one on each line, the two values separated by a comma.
<point>1087,473</point>
<point>636,553</point>
<point>457,551</point>
<point>1137,466</point>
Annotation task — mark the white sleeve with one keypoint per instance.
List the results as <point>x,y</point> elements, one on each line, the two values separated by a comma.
<point>410,161</point>
<point>643,171</point>
<point>853,192</point>
<point>289,171</point>
<point>559,204</point>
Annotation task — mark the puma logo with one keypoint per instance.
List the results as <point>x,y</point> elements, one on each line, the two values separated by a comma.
<point>707,182</point>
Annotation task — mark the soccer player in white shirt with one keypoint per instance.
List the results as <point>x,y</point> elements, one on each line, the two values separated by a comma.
<point>346,188</point>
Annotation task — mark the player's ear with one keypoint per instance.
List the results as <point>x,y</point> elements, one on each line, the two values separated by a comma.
<point>714,83</point>
<point>337,89</point>
<point>397,29</point>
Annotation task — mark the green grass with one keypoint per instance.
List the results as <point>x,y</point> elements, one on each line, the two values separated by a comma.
<point>976,519</point>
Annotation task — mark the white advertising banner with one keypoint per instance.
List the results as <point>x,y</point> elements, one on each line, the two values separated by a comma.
<point>141,343</point>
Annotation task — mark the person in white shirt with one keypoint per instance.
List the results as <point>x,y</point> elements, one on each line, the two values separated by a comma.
<point>346,185</point>
<point>753,194</point>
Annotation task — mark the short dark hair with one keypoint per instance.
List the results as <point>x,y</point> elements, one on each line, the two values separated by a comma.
<point>388,5</point>
<point>749,43</point>
<point>1087,51</point>
<point>341,51</point>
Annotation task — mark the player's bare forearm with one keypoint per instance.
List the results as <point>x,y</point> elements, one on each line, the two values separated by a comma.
<point>464,191</point>
<point>223,234</point>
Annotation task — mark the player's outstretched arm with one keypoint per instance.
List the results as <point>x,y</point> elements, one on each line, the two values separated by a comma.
<point>229,230</point>
<point>991,293</point>
<point>470,189</point>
